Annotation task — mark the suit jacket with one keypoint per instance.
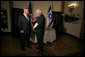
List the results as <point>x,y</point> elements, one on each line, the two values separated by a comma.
<point>41,22</point>
<point>24,24</point>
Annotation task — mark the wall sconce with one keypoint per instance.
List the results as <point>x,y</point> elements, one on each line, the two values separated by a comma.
<point>72,17</point>
<point>72,6</point>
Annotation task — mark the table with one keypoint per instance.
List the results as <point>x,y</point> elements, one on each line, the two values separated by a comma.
<point>49,36</point>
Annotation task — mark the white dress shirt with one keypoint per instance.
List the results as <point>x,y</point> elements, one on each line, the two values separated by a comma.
<point>26,16</point>
<point>35,25</point>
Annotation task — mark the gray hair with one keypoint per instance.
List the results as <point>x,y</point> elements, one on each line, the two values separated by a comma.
<point>39,11</point>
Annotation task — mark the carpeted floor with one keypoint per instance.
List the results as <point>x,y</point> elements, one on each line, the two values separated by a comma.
<point>64,46</point>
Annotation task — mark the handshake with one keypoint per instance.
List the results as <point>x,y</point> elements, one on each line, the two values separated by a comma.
<point>34,24</point>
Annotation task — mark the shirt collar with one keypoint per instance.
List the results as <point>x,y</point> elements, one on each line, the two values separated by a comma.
<point>24,14</point>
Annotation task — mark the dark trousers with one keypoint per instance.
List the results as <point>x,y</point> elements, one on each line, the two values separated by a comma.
<point>40,35</point>
<point>25,37</point>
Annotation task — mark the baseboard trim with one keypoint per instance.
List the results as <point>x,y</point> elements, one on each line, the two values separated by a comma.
<point>6,32</point>
<point>73,36</point>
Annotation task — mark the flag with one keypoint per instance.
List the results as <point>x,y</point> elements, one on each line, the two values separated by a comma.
<point>30,13</point>
<point>50,18</point>
<point>31,17</point>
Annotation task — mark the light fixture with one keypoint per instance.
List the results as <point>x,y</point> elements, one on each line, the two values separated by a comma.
<point>73,4</point>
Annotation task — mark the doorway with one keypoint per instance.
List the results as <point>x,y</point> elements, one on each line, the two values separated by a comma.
<point>57,23</point>
<point>15,15</point>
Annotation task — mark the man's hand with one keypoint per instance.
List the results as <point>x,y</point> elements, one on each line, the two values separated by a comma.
<point>22,31</point>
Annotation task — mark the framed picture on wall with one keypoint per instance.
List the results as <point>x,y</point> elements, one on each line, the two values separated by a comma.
<point>4,23</point>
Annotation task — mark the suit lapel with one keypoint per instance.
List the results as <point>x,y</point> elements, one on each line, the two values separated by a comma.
<point>26,18</point>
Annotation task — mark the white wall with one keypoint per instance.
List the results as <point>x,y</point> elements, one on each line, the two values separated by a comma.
<point>56,5</point>
<point>44,5</point>
<point>5,5</point>
<point>20,4</point>
<point>74,29</point>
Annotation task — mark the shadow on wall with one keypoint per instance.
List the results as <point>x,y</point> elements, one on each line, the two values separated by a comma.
<point>71,18</point>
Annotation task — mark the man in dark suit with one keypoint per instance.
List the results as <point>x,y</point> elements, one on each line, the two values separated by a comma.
<point>24,24</point>
<point>39,28</point>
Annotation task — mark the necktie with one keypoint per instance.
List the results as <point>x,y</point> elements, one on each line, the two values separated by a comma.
<point>27,18</point>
